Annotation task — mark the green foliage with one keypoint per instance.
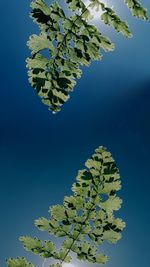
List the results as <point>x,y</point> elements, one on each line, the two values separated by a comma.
<point>70,42</point>
<point>85,220</point>
<point>136,9</point>
<point>19,262</point>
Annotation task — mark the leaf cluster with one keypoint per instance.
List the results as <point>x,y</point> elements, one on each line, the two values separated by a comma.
<point>70,42</point>
<point>85,220</point>
<point>67,42</point>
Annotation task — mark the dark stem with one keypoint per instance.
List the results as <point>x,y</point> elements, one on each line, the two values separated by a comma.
<point>74,240</point>
<point>65,36</point>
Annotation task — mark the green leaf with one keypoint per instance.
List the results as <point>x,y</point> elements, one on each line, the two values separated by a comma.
<point>19,262</point>
<point>110,18</point>
<point>43,224</point>
<point>37,43</point>
<point>111,236</point>
<point>62,255</point>
<point>67,243</point>
<point>58,212</point>
<point>38,62</point>
<point>48,249</point>
<point>118,224</point>
<point>31,244</point>
<point>101,259</point>
<point>136,9</point>
<point>55,265</point>
<point>113,203</point>
<point>85,246</point>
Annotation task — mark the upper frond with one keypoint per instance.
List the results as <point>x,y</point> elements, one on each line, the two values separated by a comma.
<point>67,43</point>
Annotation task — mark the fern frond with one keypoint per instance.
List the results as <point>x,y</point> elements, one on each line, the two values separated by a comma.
<point>70,42</point>
<point>86,219</point>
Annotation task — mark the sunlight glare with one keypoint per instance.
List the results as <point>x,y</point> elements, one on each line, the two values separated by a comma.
<point>95,13</point>
<point>68,265</point>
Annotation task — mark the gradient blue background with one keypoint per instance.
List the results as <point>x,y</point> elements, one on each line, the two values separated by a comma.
<point>40,153</point>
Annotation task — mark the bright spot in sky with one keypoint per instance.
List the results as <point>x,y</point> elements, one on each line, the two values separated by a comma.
<point>68,265</point>
<point>95,13</point>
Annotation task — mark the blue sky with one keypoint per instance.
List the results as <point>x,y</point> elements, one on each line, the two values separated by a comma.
<point>40,153</point>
